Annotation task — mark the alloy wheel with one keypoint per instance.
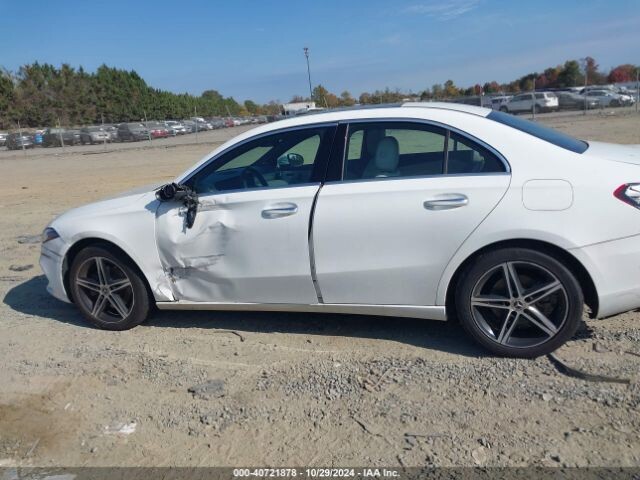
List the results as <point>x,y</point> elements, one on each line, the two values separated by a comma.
<point>104,289</point>
<point>519,304</point>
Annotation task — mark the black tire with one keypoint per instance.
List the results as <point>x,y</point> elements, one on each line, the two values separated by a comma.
<point>536,108</point>
<point>136,293</point>
<point>569,299</point>
<point>504,109</point>
<point>614,103</point>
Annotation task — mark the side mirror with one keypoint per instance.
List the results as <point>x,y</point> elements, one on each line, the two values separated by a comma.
<point>189,198</point>
<point>290,160</point>
<point>167,192</point>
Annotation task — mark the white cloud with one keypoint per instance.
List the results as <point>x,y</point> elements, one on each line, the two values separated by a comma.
<point>444,9</point>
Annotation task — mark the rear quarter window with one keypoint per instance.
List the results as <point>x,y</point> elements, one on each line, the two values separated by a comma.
<point>550,135</point>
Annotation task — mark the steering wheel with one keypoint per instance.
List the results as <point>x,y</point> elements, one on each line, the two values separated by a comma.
<point>253,174</point>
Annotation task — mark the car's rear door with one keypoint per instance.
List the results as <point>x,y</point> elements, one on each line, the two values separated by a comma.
<point>249,242</point>
<point>384,235</point>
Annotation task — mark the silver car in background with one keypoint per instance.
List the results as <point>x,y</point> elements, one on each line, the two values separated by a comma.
<point>528,102</point>
<point>175,127</point>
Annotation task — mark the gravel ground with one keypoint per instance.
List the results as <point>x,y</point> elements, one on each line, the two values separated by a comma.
<point>274,388</point>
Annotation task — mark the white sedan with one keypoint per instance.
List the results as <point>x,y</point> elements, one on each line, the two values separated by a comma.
<point>420,210</point>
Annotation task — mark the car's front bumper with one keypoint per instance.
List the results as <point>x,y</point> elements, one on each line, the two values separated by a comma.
<point>53,265</point>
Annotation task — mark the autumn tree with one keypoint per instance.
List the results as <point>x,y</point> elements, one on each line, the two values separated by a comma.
<point>623,73</point>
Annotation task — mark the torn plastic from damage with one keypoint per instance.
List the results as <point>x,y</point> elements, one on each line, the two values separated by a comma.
<point>183,193</point>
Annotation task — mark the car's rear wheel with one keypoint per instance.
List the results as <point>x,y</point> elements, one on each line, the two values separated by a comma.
<point>519,302</point>
<point>107,289</point>
<point>504,109</point>
<point>615,103</point>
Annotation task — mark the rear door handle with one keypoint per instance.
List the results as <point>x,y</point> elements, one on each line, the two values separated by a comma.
<point>446,201</point>
<point>280,210</point>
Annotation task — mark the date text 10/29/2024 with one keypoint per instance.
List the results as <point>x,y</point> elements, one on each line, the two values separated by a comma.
<point>316,472</point>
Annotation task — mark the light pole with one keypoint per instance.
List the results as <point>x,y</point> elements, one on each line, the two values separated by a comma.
<point>306,54</point>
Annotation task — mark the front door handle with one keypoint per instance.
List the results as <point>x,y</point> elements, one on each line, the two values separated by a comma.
<point>446,201</point>
<point>280,210</point>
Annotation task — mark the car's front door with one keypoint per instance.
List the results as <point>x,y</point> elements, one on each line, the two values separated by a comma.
<point>249,242</point>
<point>411,194</point>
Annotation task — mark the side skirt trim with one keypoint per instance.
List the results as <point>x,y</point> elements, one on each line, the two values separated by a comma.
<point>411,311</point>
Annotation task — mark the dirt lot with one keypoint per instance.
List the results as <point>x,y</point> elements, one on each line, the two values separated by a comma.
<point>287,389</point>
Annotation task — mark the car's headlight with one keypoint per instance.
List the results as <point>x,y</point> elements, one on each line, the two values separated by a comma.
<point>49,234</point>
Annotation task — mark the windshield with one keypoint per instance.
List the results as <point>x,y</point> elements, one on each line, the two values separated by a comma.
<point>550,135</point>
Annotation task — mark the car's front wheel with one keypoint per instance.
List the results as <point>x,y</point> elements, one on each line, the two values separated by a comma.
<point>107,289</point>
<point>519,302</point>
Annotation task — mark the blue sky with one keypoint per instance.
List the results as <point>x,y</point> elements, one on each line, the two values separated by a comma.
<point>253,49</point>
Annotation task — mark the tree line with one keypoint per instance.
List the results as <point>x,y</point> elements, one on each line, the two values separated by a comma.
<point>45,95</point>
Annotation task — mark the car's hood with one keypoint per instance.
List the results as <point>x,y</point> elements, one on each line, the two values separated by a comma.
<point>615,152</point>
<point>137,198</point>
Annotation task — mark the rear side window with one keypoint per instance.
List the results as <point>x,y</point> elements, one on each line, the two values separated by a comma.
<point>401,149</point>
<point>393,149</point>
<point>465,156</point>
<point>550,135</point>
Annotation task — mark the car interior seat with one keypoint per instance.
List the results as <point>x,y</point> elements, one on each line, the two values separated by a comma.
<point>386,159</point>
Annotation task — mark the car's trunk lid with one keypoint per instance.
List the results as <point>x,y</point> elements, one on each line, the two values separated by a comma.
<point>614,152</point>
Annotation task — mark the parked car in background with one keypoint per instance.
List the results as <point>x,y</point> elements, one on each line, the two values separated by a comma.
<point>175,128</point>
<point>189,125</point>
<point>575,101</point>
<point>498,101</point>
<point>37,137</point>
<point>93,135</point>
<point>57,137</point>
<point>217,123</point>
<point>3,138</point>
<point>157,130</point>
<point>132,132</point>
<point>607,98</point>
<point>201,124</point>
<point>204,126</point>
<point>112,131</point>
<point>16,141</point>
<point>528,102</point>
<point>229,122</point>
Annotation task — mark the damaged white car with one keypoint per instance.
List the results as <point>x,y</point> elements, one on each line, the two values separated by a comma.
<point>416,210</point>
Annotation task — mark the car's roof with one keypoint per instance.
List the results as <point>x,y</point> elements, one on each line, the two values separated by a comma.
<point>375,111</point>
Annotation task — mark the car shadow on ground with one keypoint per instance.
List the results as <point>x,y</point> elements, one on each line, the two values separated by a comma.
<point>31,298</point>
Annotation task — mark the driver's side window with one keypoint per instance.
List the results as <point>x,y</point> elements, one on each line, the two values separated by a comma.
<point>278,160</point>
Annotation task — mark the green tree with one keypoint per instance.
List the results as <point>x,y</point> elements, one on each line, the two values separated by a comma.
<point>346,99</point>
<point>251,107</point>
<point>570,75</point>
<point>319,95</point>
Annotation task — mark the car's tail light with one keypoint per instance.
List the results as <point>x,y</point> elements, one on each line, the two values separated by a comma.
<point>628,193</point>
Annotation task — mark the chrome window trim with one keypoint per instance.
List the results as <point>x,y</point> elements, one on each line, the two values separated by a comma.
<point>257,189</point>
<point>462,133</point>
<point>418,177</point>
<point>251,139</point>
